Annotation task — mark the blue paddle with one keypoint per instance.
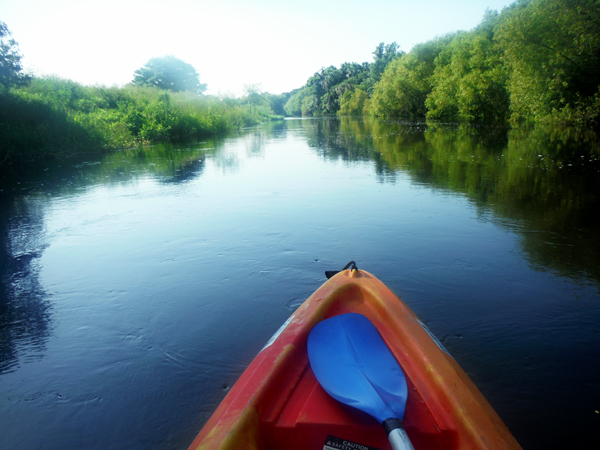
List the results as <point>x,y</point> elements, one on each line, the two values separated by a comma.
<point>355,366</point>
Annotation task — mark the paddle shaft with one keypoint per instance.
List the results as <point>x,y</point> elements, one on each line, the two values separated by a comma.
<point>397,435</point>
<point>399,440</point>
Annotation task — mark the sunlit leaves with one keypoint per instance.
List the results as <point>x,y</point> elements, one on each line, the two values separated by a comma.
<point>469,81</point>
<point>53,117</point>
<point>354,103</point>
<point>552,48</point>
<point>406,82</point>
<point>536,60</point>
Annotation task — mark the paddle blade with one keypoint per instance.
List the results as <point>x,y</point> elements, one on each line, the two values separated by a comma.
<point>355,366</point>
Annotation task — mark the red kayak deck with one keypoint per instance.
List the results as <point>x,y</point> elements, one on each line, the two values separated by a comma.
<point>278,404</point>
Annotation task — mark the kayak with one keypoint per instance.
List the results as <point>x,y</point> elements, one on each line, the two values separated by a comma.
<point>278,403</point>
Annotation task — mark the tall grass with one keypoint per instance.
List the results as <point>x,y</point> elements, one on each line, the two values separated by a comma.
<point>52,117</point>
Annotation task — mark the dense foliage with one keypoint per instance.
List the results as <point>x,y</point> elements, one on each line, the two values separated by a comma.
<point>52,116</point>
<point>537,60</point>
<point>264,104</point>
<point>406,82</point>
<point>49,117</point>
<point>469,82</point>
<point>11,70</point>
<point>169,73</point>
<point>552,52</point>
<point>325,93</point>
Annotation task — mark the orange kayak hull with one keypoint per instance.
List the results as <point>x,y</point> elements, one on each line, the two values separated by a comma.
<point>277,402</point>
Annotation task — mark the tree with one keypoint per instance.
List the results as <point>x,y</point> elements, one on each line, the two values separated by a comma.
<point>354,103</point>
<point>323,83</point>
<point>329,85</point>
<point>552,49</point>
<point>11,70</point>
<point>170,73</point>
<point>383,56</point>
<point>406,82</point>
<point>470,78</point>
<point>277,102</point>
<point>253,95</point>
<point>310,103</point>
<point>293,106</point>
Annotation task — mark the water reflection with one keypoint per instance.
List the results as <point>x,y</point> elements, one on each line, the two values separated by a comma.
<point>348,140</point>
<point>166,162</point>
<point>542,183</point>
<point>230,254</point>
<point>24,307</point>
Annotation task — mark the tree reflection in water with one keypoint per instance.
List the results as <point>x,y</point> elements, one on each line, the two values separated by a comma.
<point>539,181</point>
<point>539,184</point>
<point>24,306</point>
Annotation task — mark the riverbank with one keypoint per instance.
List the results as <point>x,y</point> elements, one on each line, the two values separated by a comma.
<point>53,118</point>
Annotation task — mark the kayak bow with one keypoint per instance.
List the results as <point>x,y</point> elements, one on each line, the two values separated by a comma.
<point>277,403</point>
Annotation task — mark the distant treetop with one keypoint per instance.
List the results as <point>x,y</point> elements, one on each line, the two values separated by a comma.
<point>170,73</point>
<point>11,70</point>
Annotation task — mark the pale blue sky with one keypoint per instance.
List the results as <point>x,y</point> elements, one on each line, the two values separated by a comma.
<point>277,43</point>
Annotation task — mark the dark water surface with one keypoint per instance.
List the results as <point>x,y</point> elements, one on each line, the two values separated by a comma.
<point>136,288</point>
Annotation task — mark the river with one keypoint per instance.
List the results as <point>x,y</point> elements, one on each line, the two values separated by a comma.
<point>136,287</point>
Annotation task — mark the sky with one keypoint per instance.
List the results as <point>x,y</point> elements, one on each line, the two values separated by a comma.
<point>276,44</point>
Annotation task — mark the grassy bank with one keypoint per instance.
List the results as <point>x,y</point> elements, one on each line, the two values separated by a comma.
<point>52,117</point>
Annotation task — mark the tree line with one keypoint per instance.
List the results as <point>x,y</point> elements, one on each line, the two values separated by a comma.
<point>536,60</point>
<point>42,117</point>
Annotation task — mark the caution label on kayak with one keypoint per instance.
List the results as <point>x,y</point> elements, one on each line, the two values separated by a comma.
<point>335,443</point>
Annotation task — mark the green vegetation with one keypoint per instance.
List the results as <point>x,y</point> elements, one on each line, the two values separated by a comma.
<point>355,103</point>
<point>552,52</point>
<point>542,177</point>
<point>469,80</point>
<point>11,70</point>
<point>325,93</point>
<point>169,73</point>
<point>52,117</point>
<point>537,60</point>
<point>406,82</point>
<point>266,105</point>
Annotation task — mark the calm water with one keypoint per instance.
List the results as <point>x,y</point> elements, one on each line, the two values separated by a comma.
<point>135,289</point>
